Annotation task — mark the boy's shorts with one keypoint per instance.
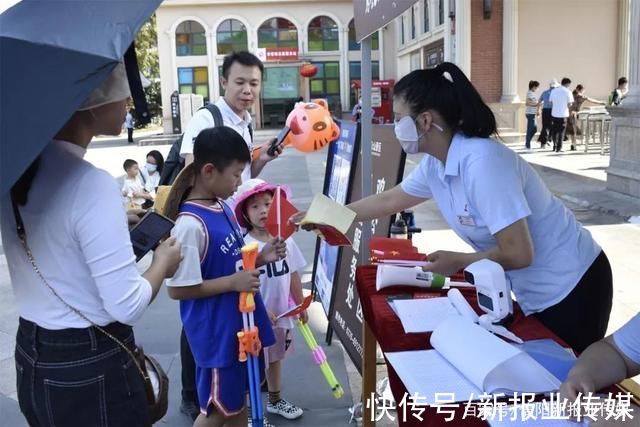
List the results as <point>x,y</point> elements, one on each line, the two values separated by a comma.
<point>224,390</point>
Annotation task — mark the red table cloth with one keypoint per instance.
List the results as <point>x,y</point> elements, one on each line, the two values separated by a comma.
<point>389,333</point>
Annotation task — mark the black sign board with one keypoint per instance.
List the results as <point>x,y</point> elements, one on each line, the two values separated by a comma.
<point>371,15</point>
<point>175,113</point>
<point>345,314</point>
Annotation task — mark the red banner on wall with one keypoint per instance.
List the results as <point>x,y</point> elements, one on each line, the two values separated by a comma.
<point>282,54</point>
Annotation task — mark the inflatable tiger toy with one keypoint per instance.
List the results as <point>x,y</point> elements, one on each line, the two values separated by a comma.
<point>312,127</point>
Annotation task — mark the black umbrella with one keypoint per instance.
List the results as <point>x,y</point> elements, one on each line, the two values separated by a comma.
<point>54,53</point>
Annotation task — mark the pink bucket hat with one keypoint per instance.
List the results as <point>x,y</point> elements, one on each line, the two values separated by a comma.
<point>251,188</point>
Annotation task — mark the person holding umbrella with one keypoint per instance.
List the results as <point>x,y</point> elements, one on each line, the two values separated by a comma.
<point>72,267</point>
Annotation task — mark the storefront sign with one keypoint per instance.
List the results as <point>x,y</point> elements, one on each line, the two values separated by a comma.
<point>282,54</point>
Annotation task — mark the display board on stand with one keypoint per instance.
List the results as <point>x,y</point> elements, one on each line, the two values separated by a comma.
<point>335,268</point>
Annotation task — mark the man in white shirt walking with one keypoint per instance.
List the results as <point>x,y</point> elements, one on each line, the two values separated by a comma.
<point>561,98</point>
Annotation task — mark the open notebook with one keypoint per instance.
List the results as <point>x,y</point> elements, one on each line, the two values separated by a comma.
<point>467,360</point>
<point>332,220</point>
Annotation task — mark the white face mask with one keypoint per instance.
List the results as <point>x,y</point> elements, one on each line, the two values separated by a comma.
<point>151,168</point>
<point>407,133</point>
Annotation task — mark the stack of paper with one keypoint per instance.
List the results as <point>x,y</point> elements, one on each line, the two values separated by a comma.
<point>423,314</point>
<point>467,361</point>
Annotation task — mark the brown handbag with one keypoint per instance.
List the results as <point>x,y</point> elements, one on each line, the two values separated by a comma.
<point>156,382</point>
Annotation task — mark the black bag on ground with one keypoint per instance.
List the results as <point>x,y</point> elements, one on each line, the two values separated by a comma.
<point>174,162</point>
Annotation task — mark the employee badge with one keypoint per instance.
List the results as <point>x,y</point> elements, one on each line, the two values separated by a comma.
<point>466,220</point>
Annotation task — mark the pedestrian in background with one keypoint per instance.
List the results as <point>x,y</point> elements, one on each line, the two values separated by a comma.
<point>573,125</point>
<point>620,92</point>
<point>545,133</point>
<point>531,111</point>
<point>128,122</point>
<point>561,99</point>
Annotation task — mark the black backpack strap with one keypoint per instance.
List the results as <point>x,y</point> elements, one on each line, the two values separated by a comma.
<point>251,132</point>
<point>215,112</point>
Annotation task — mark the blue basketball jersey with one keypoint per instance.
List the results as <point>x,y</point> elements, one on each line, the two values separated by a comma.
<point>211,324</point>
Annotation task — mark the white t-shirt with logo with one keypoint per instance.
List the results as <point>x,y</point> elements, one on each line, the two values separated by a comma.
<point>275,280</point>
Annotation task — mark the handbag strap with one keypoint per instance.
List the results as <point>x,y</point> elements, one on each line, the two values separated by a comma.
<point>22,235</point>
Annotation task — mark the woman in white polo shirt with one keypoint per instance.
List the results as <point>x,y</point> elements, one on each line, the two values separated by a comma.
<point>70,373</point>
<point>496,203</point>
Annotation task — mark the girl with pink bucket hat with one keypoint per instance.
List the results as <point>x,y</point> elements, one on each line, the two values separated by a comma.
<point>279,283</point>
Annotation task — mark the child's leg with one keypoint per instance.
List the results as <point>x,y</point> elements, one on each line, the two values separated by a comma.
<point>274,381</point>
<point>215,419</point>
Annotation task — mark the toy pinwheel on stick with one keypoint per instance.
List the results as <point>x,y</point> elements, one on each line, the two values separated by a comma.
<point>248,338</point>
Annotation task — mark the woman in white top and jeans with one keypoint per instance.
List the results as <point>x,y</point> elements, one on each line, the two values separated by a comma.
<point>68,372</point>
<point>531,112</point>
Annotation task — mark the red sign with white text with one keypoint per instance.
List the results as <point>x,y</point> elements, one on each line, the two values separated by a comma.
<point>282,54</point>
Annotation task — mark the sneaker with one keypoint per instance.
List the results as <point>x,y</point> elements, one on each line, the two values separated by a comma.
<point>190,409</point>
<point>284,409</point>
<point>265,422</point>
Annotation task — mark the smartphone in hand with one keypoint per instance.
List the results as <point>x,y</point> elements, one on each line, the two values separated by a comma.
<point>147,234</point>
<point>279,140</point>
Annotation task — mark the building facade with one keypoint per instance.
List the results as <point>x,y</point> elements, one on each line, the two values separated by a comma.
<point>500,44</point>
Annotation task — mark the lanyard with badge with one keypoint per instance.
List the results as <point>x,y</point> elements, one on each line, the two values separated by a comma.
<point>466,219</point>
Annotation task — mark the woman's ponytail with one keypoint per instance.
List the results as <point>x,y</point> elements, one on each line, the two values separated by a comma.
<point>476,118</point>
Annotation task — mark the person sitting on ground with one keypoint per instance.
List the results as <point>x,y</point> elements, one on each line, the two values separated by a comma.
<point>132,189</point>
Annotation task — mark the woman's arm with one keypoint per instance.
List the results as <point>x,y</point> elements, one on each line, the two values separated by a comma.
<point>514,250</point>
<point>599,366</point>
<point>383,204</point>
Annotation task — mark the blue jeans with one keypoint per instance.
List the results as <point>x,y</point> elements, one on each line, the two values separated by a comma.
<point>78,377</point>
<point>531,129</point>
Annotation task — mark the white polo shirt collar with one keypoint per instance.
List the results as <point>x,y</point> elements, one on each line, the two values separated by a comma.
<point>229,115</point>
<point>454,156</point>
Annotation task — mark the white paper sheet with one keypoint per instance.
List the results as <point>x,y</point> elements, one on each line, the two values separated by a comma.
<point>423,314</point>
<point>425,372</point>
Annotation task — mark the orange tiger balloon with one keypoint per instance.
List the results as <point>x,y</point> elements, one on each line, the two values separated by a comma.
<point>311,126</point>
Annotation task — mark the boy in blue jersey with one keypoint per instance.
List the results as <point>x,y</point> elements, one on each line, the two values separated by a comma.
<point>210,277</point>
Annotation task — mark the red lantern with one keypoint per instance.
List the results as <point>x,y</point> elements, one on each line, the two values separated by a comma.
<point>308,70</point>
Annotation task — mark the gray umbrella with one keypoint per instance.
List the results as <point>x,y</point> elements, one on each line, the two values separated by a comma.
<point>54,53</point>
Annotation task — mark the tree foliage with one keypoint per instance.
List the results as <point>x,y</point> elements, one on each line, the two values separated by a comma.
<point>148,62</point>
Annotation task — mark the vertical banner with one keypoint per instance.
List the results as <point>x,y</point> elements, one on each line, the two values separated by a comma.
<point>345,311</point>
<point>338,180</point>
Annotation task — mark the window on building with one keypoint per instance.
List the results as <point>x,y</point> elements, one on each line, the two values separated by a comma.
<point>440,12</point>
<point>190,39</point>
<point>425,16</point>
<point>194,80</point>
<point>354,44</point>
<point>402,30</point>
<point>278,32</point>
<point>412,22</point>
<point>231,36</point>
<point>326,83</point>
<point>415,62</point>
<point>323,34</point>
<point>355,73</point>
